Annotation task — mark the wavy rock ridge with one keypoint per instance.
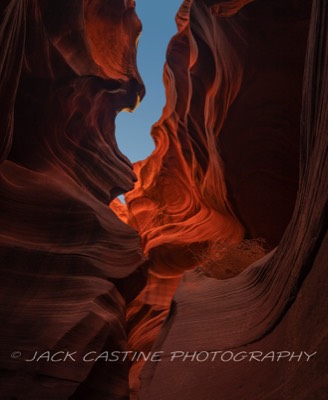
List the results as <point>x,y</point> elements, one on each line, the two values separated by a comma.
<point>68,264</point>
<point>225,168</point>
<point>239,174</point>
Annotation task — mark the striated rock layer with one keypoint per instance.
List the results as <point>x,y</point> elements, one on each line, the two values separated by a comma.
<point>225,171</point>
<point>239,175</point>
<point>68,265</point>
<point>234,148</point>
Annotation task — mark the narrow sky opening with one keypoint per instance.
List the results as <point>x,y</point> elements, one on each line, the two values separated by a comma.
<point>133,129</point>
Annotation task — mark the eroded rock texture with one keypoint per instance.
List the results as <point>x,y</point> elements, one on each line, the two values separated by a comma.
<point>68,264</point>
<point>226,164</point>
<point>239,170</point>
<point>235,147</point>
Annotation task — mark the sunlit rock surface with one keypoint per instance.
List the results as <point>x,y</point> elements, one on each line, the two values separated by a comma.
<point>68,264</point>
<point>225,171</point>
<point>238,156</point>
<point>229,209</point>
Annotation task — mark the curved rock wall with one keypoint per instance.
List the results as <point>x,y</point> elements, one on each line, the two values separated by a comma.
<point>239,174</point>
<point>226,164</point>
<point>68,264</point>
<point>277,304</point>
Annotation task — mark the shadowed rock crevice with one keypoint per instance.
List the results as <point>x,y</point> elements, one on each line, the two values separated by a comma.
<point>222,244</point>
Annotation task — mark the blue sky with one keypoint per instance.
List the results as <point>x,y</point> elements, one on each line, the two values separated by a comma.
<point>133,129</point>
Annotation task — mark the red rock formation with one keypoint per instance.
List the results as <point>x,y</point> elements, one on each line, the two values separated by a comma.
<point>229,81</point>
<point>225,167</point>
<point>277,303</point>
<point>68,264</point>
<point>225,173</point>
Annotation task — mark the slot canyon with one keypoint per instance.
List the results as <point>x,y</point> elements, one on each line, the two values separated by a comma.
<point>221,245</point>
